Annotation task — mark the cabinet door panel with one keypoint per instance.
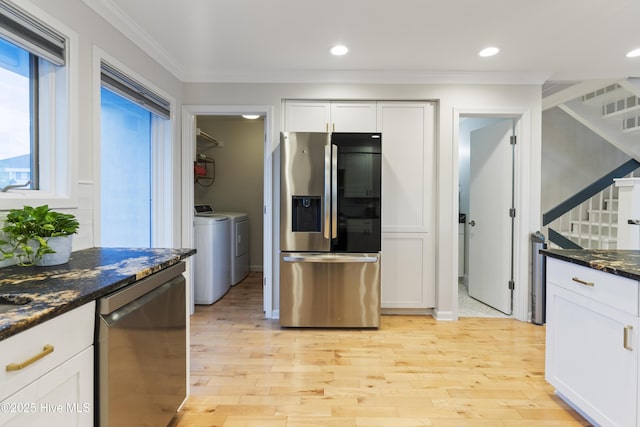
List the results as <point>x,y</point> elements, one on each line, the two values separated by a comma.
<point>407,269</point>
<point>407,166</point>
<point>61,398</point>
<point>78,327</point>
<point>307,116</point>
<point>353,116</point>
<point>586,358</point>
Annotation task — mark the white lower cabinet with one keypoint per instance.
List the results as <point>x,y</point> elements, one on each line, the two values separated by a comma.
<point>593,341</point>
<point>46,373</point>
<point>407,268</point>
<point>61,398</point>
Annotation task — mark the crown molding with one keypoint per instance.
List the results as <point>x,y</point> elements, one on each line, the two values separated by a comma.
<point>123,23</point>
<point>370,77</point>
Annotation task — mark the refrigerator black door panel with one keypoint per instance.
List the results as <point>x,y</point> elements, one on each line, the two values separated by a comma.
<point>359,183</point>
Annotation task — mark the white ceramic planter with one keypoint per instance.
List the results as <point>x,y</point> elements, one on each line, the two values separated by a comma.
<point>62,246</point>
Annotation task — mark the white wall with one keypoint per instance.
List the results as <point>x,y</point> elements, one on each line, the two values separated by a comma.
<point>451,98</point>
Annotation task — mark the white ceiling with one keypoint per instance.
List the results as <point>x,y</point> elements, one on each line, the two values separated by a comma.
<point>400,41</point>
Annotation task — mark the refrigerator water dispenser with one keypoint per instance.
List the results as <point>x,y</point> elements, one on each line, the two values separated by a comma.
<point>307,214</point>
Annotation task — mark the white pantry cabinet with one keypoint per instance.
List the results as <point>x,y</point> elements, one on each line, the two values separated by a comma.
<point>408,183</point>
<point>408,188</point>
<point>47,373</point>
<point>330,116</point>
<point>592,341</point>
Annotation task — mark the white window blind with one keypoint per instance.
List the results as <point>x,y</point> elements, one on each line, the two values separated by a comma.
<point>23,30</point>
<point>125,86</point>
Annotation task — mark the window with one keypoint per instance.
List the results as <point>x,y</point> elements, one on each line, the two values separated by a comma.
<point>17,146</point>
<point>34,110</point>
<point>133,124</point>
<point>125,172</point>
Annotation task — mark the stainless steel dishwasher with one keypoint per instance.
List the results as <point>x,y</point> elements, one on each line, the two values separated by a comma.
<point>141,356</point>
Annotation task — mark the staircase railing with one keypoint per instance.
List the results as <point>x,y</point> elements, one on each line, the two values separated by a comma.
<point>587,219</point>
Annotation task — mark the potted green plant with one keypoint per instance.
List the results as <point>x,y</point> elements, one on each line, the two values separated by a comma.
<point>38,236</point>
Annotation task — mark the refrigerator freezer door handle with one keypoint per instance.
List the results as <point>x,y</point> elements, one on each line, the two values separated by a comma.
<point>326,203</point>
<point>330,259</point>
<point>334,191</point>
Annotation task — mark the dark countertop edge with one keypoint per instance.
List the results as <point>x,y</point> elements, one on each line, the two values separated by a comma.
<point>601,265</point>
<point>43,315</point>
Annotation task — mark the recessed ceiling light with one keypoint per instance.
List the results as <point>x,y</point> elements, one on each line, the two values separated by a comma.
<point>489,51</point>
<point>251,116</point>
<point>634,53</point>
<point>339,50</point>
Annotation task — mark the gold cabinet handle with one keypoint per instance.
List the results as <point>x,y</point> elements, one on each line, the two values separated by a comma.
<point>333,127</point>
<point>46,350</point>
<point>582,282</point>
<point>626,334</point>
<point>326,126</point>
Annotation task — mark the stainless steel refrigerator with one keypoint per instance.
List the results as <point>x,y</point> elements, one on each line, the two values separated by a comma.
<point>330,229</point>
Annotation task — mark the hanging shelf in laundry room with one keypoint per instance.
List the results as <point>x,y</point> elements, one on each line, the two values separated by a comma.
<point>205,138</point>
<point>204,170</point>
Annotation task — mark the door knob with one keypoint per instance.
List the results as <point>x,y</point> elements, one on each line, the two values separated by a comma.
<point>472,223</point>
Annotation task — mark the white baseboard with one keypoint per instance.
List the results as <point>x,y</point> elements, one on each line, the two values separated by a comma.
<point>445,316</point>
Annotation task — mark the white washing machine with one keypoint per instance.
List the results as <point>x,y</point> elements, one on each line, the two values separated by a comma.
<point>239,243</point>
<point>212,233</point>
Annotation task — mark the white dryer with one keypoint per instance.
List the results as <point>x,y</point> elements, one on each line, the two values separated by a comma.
<point>212,234</point>
<point>239,243</point>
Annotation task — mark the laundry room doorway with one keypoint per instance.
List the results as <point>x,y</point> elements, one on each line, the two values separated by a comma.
<point>229,177</point>
<point>227,165</point>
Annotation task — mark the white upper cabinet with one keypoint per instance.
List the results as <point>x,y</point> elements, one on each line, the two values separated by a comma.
<point>307,116</point>
<point>353,116</point>
<point>408,171</point>
<point>334,116</point>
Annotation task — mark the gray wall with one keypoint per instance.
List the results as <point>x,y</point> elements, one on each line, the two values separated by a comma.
<point>573,156</point>
<point>238,186</point>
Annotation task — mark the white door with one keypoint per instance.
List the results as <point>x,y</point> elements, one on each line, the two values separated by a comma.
<point>489,222</point>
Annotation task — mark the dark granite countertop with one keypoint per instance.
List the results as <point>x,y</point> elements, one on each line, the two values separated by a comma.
<point>89,275</point>
<point>624,263</point>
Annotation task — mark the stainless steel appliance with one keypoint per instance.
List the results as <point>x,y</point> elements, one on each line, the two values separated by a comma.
<point>330,229</point>
<point>141,355</point>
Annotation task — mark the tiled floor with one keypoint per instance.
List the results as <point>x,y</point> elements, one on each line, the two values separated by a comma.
<point>469,307</point>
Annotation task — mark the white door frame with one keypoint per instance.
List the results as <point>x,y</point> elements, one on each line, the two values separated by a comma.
<point>189,113</point>
<point>522,185</point>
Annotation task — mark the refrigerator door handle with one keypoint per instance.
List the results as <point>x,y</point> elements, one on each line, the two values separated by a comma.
<point>326,226</point>
<point>334,191</point>
<point>331,259</point>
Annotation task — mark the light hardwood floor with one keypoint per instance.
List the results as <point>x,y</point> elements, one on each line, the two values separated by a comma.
<point>413,371</point>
